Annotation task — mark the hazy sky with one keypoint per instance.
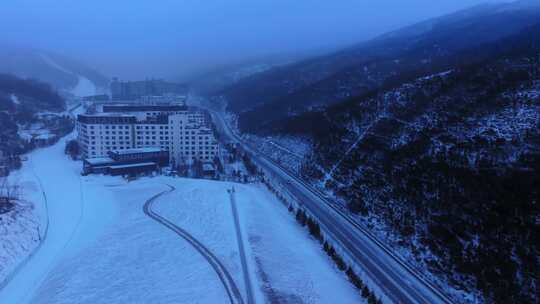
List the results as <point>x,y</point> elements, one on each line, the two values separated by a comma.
<point>172,38</point>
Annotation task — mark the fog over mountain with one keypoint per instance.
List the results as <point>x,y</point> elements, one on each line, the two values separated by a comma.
<point>176,39</point>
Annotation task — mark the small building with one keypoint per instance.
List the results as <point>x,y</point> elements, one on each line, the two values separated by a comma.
<point>157,155</point>
<point>98,165</point>
<point>132,169</point>
<point>102,97</point>
<point>127,162</point>
<point>208,170</point>
<point>44,139</point>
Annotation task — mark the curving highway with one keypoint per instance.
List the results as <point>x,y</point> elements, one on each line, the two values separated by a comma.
<point>399,282</point>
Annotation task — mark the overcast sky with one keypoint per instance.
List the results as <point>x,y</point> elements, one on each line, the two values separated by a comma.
<point>173,38</point>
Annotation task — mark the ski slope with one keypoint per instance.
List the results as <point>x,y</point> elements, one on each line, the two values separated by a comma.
<point>84,86</point>
<point>71,222</point>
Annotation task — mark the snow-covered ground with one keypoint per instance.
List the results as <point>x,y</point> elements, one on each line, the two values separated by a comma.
<point>19,235</point>
<point>15,99</point>
<point>290,265</point>
<point>74,212</point>
<point>84,86</point>
<point>100,247</point>
<point>287,265</point>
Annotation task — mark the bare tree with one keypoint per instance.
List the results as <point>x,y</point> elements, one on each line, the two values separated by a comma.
<point>8,192</point>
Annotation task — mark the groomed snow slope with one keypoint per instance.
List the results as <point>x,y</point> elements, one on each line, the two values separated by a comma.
<point>136,260</point>
<point>84,87</point>
<point>76,212</point>
<point>287,265</point>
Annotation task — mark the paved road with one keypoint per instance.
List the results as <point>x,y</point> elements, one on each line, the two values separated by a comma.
<point>226,279</point>
<point>245,269</point>
<point>399,282</point>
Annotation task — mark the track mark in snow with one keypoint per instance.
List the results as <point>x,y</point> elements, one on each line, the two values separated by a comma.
<point>247,278</point>
<point>224,276</point>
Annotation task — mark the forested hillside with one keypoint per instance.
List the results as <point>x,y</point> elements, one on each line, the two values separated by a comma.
<point>439,144</point>
<point>425,48</point>
<point>450,162</point>
<point>21,100</point>
<point>59,71</point>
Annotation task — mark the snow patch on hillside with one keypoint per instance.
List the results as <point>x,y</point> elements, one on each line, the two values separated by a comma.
<point>53,64</point>
<point>15,99</point>
<point>84,86</point>
<point>19,235</point>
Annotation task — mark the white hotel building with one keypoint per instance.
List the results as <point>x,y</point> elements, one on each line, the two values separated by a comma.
<point>185,134</point>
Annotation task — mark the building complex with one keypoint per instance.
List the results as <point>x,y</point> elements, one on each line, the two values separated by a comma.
<point>185,134</point>
<point>132,90</point>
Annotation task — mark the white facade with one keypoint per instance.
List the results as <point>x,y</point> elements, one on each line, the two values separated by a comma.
<point>185,134</point>
<point>189,139</point>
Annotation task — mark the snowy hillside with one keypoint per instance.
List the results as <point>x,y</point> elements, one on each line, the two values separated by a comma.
<point>432,164</point>
<point>441,161</point>
<point>19,236</point>
<point>101,247</point>
<point>59,71</point>
<point>433,46</point>
<point>28,109</point>
<point>83,86</point>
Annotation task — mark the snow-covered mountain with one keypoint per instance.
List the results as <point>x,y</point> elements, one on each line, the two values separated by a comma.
<point>64,74</point>
<point>426,48</point>
<point>431,135</point>
<point>29,105</point>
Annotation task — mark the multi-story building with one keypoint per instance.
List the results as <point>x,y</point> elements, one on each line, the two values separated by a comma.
<point>131,90</point>
<point>184,133</point>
